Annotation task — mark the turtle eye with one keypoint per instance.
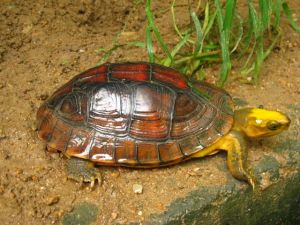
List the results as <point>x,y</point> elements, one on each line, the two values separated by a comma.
<point>273,125</point>
<point>69,106</point>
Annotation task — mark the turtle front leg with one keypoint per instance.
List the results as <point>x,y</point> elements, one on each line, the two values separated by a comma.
<point>83,171</point>
<point>235,145</point>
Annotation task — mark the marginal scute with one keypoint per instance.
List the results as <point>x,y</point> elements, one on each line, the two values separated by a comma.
<point>169,152</point>
<point>103,149</point>
<point>207,136</point>
<point>80,142</point>
<point>60,136</point>
<point>126,152</point>
<point>45,128</point>
<point>148,154</point>
<point>188,144</point>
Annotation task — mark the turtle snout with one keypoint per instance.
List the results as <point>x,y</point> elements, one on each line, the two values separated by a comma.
<point>287,122</point>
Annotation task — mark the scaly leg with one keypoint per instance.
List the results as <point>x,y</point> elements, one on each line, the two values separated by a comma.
<point>235,145</point>
<point>83,171</point>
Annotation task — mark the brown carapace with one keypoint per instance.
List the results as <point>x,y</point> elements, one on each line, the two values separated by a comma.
<point>134,115</point>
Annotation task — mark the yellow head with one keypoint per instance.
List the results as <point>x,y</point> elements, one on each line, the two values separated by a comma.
<point>256,122</point>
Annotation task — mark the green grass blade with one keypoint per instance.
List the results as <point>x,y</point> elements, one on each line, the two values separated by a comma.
<point>264,6</point>
<point>183,41</point>
<point>270,48</point>
<point>240,33</point>
<point>178,32</point>
<point>249,35</point>
<point>226,65</point>
<point>206,17</point>
<point>206,55</point>
<point>210,24</point>
<point>199,33</point>
<point>277,10</point>
<point>288,13</point>
<point>149,45</point>
<point>155,30</point>
<point>256,27</point>
<point>174,20</point>
<point>258,31</point>
<point>229,14</point>
<point>248,60</point>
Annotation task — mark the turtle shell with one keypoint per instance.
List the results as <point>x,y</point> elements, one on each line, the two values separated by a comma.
<point>134,114</point>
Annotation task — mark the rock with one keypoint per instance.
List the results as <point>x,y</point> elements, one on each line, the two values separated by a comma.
<point>114,215</point>
<point>51,200</point>
<point>137,189</point>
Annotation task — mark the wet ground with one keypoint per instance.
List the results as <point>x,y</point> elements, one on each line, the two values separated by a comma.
<point>43,45</point>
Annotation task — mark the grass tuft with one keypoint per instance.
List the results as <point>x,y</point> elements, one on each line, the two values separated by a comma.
<point>217,33</point>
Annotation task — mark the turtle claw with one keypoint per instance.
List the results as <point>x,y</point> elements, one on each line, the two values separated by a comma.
<point>94,179</point>
<point>83,171</point>
<point>252,179</point>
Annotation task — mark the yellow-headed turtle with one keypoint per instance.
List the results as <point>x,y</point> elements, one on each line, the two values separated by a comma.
<point>143,115</point>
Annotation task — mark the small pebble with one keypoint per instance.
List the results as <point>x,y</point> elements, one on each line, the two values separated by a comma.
<point>115,174</point>
<point>140,213</point>
<point>196,169</point>
<point>114,215</point>
<point>137,189</point>
<point>43,97</point>
<point>52,200</point>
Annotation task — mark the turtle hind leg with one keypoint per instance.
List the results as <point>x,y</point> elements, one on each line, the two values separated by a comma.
<point>83,171</point>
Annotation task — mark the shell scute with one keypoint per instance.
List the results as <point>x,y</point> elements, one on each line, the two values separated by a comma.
<point>188,144</point>
<point>60,136</point>
<point>126,152</point>
<point>79,142</point>
<point>130,71</point>
<point>148,154</point>
<point>103,149</point>
<point>152,111</point>
<point>169,76</point>
<point>169,152</point>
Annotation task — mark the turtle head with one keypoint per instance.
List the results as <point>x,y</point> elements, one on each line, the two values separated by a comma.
<point>257,122</point>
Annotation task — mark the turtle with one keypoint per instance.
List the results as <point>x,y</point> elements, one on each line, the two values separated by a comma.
<point>145,115</point>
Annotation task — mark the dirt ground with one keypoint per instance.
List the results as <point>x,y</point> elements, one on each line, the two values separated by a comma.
<point>45,43</point>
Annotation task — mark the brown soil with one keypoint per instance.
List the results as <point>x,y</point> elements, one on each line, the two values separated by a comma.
<point>44,44</point>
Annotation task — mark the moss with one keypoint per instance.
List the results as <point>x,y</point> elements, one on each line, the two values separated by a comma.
<point>268,164</point>
<point>83,214</point>
<point>293,107</point>
<point>235,204</point>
